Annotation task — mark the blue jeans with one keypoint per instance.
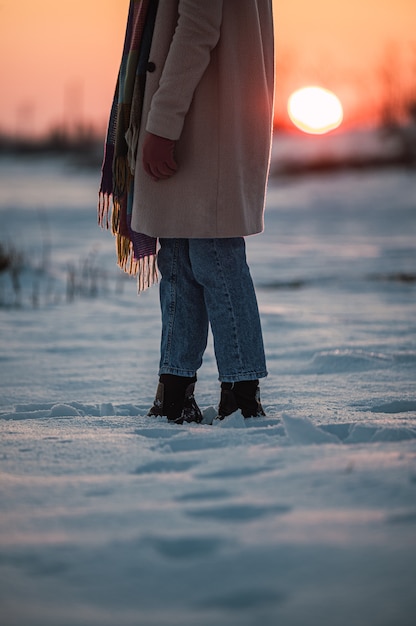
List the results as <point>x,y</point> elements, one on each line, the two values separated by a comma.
<point>207,281</point>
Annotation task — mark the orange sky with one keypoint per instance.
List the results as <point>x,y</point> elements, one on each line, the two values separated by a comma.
<point>58,61</point>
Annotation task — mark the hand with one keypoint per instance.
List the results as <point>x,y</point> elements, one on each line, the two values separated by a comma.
<point>158,157</point>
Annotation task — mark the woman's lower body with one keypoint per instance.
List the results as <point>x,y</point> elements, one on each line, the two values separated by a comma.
<point>207,282</point>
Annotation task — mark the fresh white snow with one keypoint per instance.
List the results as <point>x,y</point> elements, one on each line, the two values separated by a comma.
<point>304,518</point>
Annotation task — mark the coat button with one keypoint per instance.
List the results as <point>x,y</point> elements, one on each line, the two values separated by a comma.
<point>151,66</point>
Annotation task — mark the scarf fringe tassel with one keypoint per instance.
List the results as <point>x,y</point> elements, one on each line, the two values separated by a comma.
<point>104,204</point>
<point>145,269</point>
<point>147,274</point>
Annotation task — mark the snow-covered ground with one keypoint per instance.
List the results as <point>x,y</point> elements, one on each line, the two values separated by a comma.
<point>304,518</point>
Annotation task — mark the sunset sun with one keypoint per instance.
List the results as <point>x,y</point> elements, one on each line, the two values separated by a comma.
<point>315,110</point>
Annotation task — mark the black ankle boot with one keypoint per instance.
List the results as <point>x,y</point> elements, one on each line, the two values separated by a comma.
<point>243,395</point>
<point>175,399</point>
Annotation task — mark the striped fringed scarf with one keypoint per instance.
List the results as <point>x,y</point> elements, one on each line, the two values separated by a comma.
<point>136,253</point>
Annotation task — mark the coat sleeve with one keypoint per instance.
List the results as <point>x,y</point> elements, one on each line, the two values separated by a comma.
<point>196,35</point>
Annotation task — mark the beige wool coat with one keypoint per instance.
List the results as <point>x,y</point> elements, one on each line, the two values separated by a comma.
<point>209,87</point>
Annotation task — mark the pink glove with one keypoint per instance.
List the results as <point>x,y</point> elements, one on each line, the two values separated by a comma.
<point>158,158</point>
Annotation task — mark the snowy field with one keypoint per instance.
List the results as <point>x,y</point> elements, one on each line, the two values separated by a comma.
<point>304,518</point>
